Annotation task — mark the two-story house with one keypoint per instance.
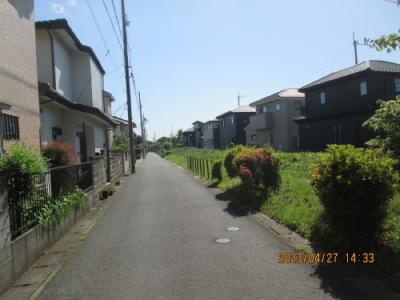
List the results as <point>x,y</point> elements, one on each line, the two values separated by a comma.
<point>188,137</point>
<point>71,91</point>
<point>232,125</point>
<point>198,134</point>
<point>338,104</point>
<point>273,124</point>
<point>19,103</point>
<point>211,136</point>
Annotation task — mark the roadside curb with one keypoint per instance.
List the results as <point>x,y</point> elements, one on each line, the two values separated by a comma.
<point>32,282</point>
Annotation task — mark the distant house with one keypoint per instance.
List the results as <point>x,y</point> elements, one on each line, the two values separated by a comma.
<point>19,102</point>
<point>188,137</point>
<point>233,123</point>
<point>273,124</point>
<point>198,134</point>
<point>338,104</point>
<point>211,135</point>
<point>122,126</point>
<point>73,106</point>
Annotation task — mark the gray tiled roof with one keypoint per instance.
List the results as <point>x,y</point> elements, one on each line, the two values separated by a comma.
<point>240,109</point>
<point>189,130</point>
<point>373,65</point>
<point>287,93</point>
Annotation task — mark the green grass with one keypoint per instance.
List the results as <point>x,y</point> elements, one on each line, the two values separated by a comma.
<point>295,204</point>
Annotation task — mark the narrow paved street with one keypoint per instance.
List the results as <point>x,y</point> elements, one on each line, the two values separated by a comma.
<point>157,241</point>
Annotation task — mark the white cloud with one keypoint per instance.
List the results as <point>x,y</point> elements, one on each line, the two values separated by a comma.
<point>72,2</point>
<point>57,8</point>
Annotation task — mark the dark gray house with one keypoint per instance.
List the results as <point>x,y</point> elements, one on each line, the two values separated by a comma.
<point>338,104</point>
<point>233,123</point>
<point>188,137</point>
<point>198,134</point>
<point>211,136</point>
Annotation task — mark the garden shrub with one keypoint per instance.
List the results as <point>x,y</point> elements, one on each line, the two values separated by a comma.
<point>22,159</point>
<point>59,153</point>
<point>354,186</point>
<point>120,143</point>
<point>258,168</point>
<point>216,172</point>
<point>229,156</point>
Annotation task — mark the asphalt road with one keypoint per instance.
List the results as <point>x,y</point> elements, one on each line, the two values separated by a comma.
<point>157,241</point>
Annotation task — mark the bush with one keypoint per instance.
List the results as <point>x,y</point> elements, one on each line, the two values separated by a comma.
<point>216,172</point>
<point>258,168</point>
<point>59,153</point>
<point>22,160</point>
<point>354,186</point>
<point>229,156</point>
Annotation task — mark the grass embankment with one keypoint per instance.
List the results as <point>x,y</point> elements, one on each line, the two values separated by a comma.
<point>295,204</point>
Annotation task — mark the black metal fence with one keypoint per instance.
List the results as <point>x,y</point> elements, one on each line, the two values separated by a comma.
<point>200,166</point>
<point>28,194</point>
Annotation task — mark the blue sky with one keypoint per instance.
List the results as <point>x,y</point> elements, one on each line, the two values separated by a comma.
<point>191,57</point>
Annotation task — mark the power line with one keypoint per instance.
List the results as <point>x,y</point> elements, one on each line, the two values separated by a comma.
<point>116,17</point>
<point>113,27</point>
<point>100,32</point>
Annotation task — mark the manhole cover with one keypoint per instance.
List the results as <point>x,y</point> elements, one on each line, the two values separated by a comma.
<point>233,228</point>
<point>223,241</point>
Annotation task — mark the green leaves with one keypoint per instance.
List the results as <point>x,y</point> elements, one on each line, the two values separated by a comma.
<point>386,125</point>
<point>120,143</point>
<point>388,42</point>
<point>22,159</point>
<point>56,210</point>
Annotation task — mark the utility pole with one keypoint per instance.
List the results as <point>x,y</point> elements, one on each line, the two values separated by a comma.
<point>355,45</point>
<point>240,97</point>
<point>142,127</point>
<point>128,89</point>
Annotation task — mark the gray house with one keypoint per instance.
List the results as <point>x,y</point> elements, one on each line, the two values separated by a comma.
<point>211,136</point>
<point>188,137</point>
<point>198,134</point>
<point>273,124</point>
<point>233,123</point>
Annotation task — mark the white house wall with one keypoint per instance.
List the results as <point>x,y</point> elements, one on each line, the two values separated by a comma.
<point>63,72</point>
<point>81,80</point>
<point>43,55</point>
<point>97,86</point>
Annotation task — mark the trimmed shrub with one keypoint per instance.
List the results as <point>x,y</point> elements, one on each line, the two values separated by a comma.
<point>22,160</point>
<point>258,168</point>
<point>229,156</point>
<point>354,186</point>
<point>120,143</point>
<point>216,170</point>
<point>59,153</point>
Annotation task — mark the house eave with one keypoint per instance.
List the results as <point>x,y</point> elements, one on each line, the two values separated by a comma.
<point>46,91</point>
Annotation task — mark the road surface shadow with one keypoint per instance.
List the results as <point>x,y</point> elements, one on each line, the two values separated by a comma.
<point>240,201</point>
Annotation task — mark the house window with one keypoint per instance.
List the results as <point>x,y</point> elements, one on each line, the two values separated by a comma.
<point>363,88</point>
<point>232,119</point>
<point>397,85</point>
<point>264,109</point>
<point>253,137</point>
<point>278,107</point>
<point>323,98</point>
<point>223,123</point>
<point>297,105</point>
<point>10,127</point>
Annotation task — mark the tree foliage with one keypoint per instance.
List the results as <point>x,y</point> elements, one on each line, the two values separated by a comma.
<point>388,42</point>
<point>120,143</point>
<point>386,125</point>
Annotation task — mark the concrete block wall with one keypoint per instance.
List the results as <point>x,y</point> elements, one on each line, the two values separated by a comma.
<point>117,166</point>
<point>99,173</point>
<point>6,270</point>
<point>19,255</point>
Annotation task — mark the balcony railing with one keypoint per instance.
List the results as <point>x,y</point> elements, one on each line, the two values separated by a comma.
<point>261,121</point>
